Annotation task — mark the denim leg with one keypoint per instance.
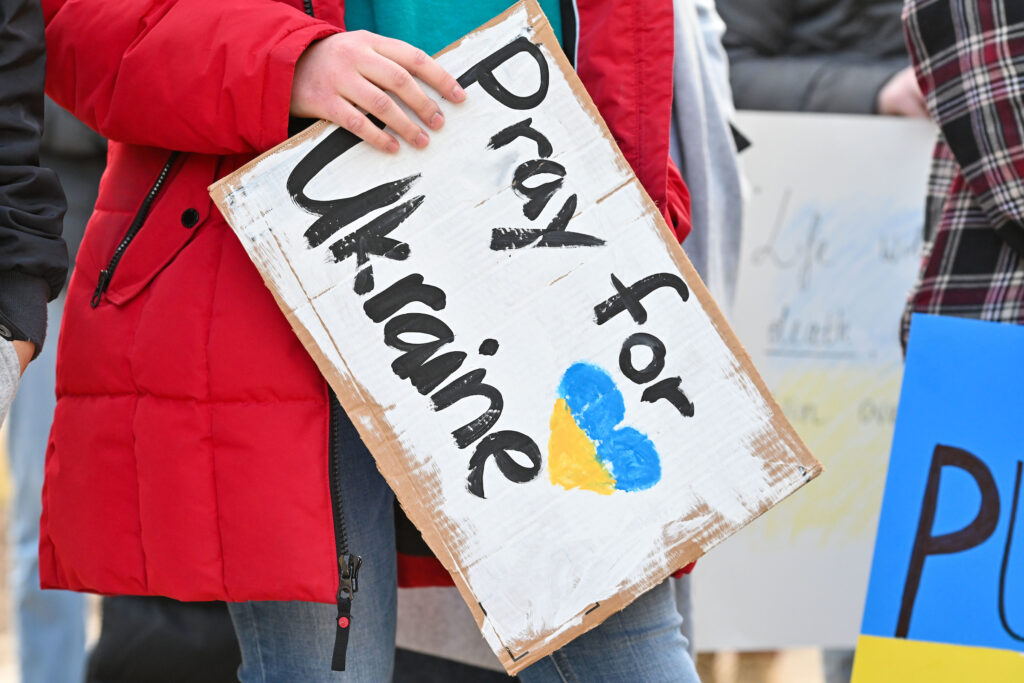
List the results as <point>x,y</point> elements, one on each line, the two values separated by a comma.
<point>50,624</point>
<point>293,641</point>
<point>683,588</point>
<point>837,664</point>
<point>641,643</point>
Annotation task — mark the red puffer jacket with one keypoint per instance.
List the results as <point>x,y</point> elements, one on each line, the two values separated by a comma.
<point>188,456</point>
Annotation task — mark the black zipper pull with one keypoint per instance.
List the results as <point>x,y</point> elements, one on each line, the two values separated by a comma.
<point>101,286</point>
<point>107,273</point>
<point>348,584</point>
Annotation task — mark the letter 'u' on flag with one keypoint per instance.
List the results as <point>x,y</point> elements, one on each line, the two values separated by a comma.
<point>946,594</point>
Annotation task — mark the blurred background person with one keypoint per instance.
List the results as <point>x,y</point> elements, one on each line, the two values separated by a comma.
<point>839,56</point>
<point>968,58</point>
<point>48,622</point>
<point>33,257</point>
<point>703,147</point>
<point>33,269</point>
<point>827,56</point>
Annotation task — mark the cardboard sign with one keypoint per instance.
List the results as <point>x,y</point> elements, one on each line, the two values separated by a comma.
<point>831,245</point>
<point>542,379</point>
<point>949,560</point>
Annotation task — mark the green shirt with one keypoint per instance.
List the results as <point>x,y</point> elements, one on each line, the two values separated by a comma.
<point>432,25</point>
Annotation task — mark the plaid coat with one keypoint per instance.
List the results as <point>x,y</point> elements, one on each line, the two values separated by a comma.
<point>969,59</point>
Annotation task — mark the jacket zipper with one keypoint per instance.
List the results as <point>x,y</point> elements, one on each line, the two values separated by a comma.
<point>348,564</point>
<point>107,273</point>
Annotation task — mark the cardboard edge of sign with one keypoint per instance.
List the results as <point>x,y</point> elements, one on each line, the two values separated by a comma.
<point>370,420</point>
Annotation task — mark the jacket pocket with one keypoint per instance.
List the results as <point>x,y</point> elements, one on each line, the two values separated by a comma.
<point>177,212</point>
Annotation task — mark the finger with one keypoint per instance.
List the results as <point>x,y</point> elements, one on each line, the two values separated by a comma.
<point>354,121</point>
<point>390,76</point>
<point>422,66</point>
<point>379,103</point>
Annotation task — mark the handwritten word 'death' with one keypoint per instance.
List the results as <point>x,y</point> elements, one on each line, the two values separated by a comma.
<point>404,331</point>
<point>630,299</point>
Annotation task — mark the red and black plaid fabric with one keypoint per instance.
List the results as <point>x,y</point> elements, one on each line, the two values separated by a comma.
<point>969,60</point>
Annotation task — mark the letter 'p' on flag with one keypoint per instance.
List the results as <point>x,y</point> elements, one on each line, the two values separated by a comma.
<point>540,375</point>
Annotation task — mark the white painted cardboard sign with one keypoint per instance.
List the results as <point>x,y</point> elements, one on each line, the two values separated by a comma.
<point>831,245</point>
<point>540,375</point>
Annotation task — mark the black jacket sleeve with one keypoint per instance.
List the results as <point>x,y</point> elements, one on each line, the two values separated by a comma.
<point>765,75</point>
<point>33,257</point>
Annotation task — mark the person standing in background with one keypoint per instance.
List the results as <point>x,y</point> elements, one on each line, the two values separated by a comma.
<point>33,268</point>
<point>839,56</point>
<point>826,56</point>
<point>48,621</point>
<point>33,257</point>
<point>703,147</point>
<point>969,61</point>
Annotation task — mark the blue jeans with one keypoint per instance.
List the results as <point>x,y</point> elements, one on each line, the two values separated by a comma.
<point>50,624</point>
<point>293,641</point>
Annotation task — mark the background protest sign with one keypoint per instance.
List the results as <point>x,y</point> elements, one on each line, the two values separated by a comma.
<point>543,380</point>
<point>948,567</point>
<point>831,245</point>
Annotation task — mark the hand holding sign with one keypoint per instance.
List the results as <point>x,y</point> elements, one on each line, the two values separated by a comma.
<point>342,74</point>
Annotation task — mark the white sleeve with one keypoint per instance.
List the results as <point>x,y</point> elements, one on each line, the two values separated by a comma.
<point>10,373</point>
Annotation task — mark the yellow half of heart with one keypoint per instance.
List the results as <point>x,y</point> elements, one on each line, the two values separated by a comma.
<point>572,456</point>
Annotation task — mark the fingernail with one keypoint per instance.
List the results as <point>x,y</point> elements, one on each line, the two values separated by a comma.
<point>392,146</point>
<point>458,94</point>
<point>421,140</point>
<point>436,121</point>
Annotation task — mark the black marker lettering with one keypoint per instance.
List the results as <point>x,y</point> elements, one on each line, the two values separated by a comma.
<point>364,281</point>
<point>974,534</point>
<point>1006,559</point>
<point>523,129</point>
<point>372,239</point>
<point>538,196</point>
<point>669,390</point>
<point>555,235</point>
<point>497,445</point>
<point>410,288</point>
<point>470,384</point>
<point>416,364</point>
<point>630,298</point>
<point>488,347</point>
<point>653,369</point>
<point>337,213</point>
<point>353,208</point>
<point>483,73</point>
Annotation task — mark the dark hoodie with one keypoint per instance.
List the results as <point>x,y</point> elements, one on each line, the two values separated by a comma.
<point>33,256</point>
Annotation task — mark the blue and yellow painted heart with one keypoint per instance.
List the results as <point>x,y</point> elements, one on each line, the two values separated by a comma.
<point>587,449</point>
